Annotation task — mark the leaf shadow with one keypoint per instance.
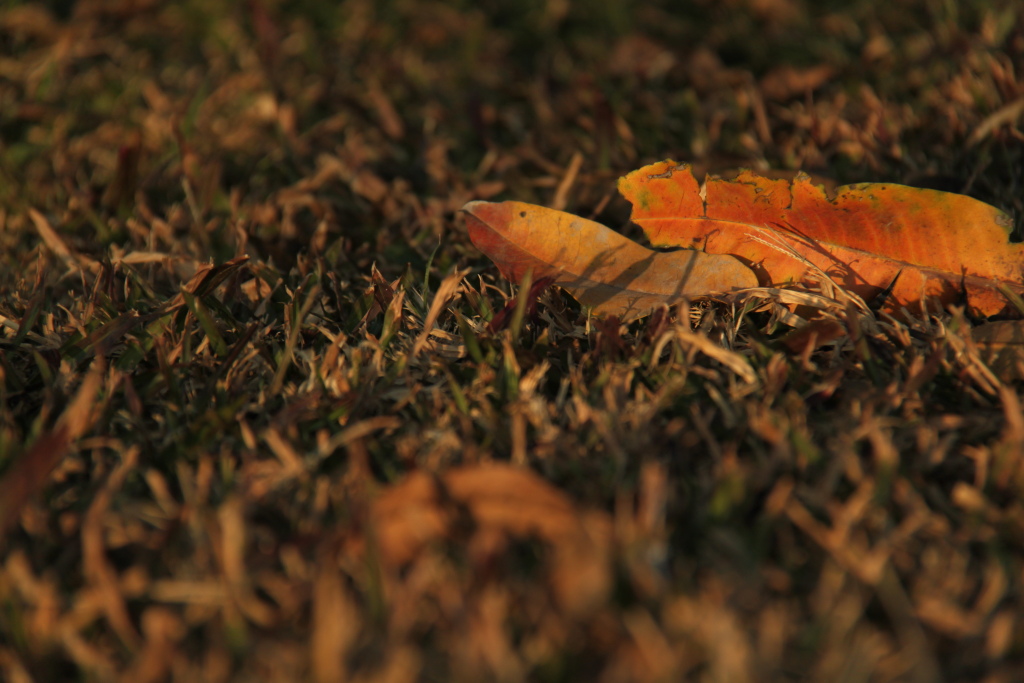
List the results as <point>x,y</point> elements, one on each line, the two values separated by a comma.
<point>596,290</point>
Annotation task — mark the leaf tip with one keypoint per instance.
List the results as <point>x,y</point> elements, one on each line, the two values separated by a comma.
<point>470,207</point>
<point>489,213</point>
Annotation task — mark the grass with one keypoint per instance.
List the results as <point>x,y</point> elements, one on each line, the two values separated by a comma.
<point>265,413</point>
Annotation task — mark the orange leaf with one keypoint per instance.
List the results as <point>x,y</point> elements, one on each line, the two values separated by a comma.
<point>934,245</point>
<point>602,269</point>
<point>490,502</point>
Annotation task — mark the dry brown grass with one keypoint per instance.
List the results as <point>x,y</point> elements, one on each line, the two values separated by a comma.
<point>349,451</point>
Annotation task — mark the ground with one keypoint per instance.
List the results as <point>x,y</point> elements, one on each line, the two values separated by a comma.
<point>267,415</point>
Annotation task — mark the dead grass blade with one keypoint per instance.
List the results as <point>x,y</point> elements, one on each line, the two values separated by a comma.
<point>1001,345</point>
<point>98,570</point>
<point>54,242</point>
<point>207,279</point>
<point>335,622</point>
<point>730,359</point>
<point>445,291</point>
<point>287,354</point>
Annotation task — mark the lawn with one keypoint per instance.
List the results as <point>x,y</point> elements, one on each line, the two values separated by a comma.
<point>266,414</point>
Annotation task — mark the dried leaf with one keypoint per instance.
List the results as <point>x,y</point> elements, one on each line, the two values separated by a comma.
<point>499,500</point>
<point>941,245</point>
<point>601,268</point>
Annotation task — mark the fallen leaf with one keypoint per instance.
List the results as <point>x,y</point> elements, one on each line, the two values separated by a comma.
<point>601,268</point>
<point>493,501</point>
<point>929,245</point>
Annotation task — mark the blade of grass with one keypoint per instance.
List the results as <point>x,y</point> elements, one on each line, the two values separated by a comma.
<point>522,302</point>
<point>207,322</point>
<point>293,337</point>
<point>426,271</point>
<point>470,338</point>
